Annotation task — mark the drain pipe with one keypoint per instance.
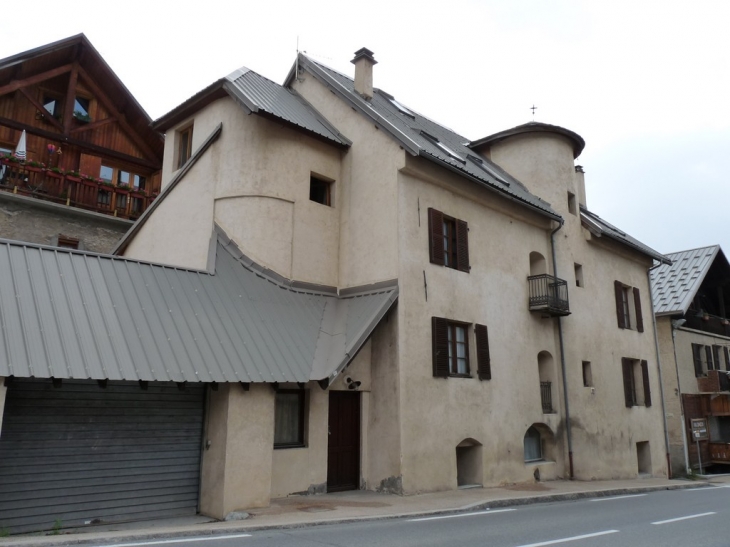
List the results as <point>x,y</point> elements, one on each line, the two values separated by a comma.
<point>562,360</point>
<point>675,324</point>
<point>659,369</point>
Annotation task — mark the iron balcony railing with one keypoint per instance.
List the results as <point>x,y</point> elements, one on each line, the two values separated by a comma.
<point>548,294</point>
<point>546,396</point>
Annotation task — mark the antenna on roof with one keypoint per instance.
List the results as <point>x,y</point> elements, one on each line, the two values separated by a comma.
<point>533,108</point>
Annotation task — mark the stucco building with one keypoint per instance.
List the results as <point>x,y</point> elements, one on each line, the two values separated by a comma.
<point>521,345</point>
<point>691,304</point>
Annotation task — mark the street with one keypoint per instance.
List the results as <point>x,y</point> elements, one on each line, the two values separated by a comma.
<point>697,517</point>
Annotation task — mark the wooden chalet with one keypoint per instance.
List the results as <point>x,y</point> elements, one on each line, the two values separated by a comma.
<point>89,142</point>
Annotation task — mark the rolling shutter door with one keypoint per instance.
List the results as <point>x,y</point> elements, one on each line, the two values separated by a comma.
<point>82,454</point>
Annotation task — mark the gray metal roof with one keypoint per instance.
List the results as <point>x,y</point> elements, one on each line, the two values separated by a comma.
<point>418,135</point>
<point>71,314</point>
<point>673,286</point>
<point>260,94</point>
<point>534,127</point>
<point>257,95</point>
<point>599,227</point>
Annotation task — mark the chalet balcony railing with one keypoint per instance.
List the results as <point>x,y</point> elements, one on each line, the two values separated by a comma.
<point>73,190</point>
<point>546,396</point>
<point>706,322</point>
<point>548,295</point>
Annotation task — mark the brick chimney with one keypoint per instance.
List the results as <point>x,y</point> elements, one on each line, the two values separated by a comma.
<point>364,62</point>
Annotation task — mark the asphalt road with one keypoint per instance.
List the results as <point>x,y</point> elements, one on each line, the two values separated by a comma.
<point>694,517</point>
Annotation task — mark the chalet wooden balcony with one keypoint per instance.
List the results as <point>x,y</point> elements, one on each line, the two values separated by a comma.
<point>72,190</point>
<point>548,295</point>
<point>706,322</point>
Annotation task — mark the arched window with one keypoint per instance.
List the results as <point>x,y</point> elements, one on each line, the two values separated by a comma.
<point>538,266</point>
<point>533,445</point>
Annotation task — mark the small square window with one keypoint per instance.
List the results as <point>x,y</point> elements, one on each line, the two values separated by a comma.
<point>289,419</point>
<point>578,275</point>
<point>587,374</point>
<point>572,209</point>
<point>67,242</point>
<point>320,190</point>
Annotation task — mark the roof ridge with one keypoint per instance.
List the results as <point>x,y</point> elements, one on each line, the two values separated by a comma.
<point>717,245</point>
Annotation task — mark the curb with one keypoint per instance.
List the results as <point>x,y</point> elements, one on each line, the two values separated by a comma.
<point>54,541</point>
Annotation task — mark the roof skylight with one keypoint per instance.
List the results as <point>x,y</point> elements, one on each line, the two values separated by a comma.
<point>480,163</point>
<point>443,147</point>
<point>401,108</point>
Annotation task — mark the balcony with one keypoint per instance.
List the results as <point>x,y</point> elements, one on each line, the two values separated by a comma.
<point>548,295</point>
<point>707,322</point>
<point>546,397</point>
<point>71,189</point>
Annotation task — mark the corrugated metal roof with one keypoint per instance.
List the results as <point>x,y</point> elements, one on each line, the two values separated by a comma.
<point>70,314</point>
<point>261,94</point>
<point>600,227</point>
<point>673,286</point>
<point>410,129</point>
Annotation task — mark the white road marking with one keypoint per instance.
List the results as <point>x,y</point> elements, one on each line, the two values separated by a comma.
<point>574,538</point>
<point>618,497</point>
<point>462,515</point>
<point>684,518</point>
<point>179,540</point>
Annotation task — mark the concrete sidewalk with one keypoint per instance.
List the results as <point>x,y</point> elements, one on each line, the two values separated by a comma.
<point>297,511</point>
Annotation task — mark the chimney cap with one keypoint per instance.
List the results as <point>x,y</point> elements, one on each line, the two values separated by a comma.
<point>364,53</point>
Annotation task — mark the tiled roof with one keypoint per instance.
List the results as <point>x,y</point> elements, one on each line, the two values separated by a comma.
<point>600,227</point>
<point>422,136</point>
<point>71,314</point>
<point>673,286</point>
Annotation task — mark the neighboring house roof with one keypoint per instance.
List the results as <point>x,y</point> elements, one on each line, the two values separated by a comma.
<point>71,314</point>
<point>421,136</point>
<point>59,57</point>
<point>675,285</point>
<point>599,228</point>
<point>534,127</point>
<point>258,95</point>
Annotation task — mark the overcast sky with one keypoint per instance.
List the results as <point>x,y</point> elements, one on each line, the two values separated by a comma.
<point>646,84</point>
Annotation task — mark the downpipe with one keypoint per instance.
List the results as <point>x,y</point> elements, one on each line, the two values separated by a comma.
<point>562,361</point>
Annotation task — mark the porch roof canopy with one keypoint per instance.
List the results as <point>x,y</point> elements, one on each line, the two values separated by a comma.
<point>73,314</point>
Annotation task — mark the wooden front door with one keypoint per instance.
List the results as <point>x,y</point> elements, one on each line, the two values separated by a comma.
<point>343,452</point>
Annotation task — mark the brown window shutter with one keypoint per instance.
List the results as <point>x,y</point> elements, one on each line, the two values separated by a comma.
<point>484,366</point>
<point>645,380</point>
<point>618,288</point>
<point>628,381</point>
<point>716,357</point>
<point>708,354</point>
<point>436,236</point>
<point>697,357</point>
<point>462,246</point>
<point>440,338</point>
<point>637,304</point>
<point>727,358</point>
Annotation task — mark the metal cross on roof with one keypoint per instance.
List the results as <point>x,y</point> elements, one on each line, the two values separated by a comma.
<point>533,108</point>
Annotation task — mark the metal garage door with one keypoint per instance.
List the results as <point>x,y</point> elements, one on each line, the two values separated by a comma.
<point>82,454</point>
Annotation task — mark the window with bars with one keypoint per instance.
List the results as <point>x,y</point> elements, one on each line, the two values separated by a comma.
<point>448,241</point>
<point>451,355</point>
